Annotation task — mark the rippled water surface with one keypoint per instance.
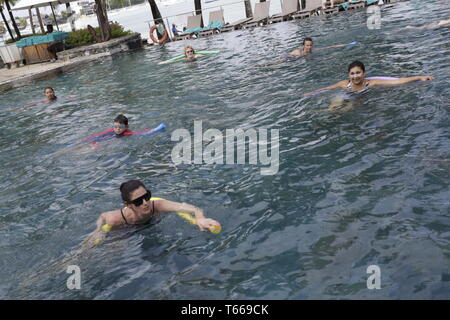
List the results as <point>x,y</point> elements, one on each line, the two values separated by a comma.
<point>365,185</point>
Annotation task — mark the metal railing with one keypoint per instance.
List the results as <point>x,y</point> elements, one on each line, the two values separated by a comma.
<point>192,13</point>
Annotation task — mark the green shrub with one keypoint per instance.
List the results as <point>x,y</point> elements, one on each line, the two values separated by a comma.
<point>79,38</point>
<point>118,31</point>
<point>83,37</point>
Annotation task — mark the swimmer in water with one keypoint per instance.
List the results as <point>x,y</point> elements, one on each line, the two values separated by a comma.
<point>358,83</point>
<point>50,94</point>
<point>189,54</point>
<point>139,209</point>
<point>307,49</point>
<point>120,129</point>
<point>49,97</point>
<point>434,25</point>
<point>120,125</point>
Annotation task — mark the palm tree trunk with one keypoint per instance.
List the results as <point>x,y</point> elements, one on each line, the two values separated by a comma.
<point>31,21</point>
<point>6,23</point>
<point>70,17</point>
<point>248,9</point>
<point>198,10</point>
<point>155,12</point>
<point>156,15</point>
<point>38,13</point>
<point>16,29</point>
<point>102,17</point>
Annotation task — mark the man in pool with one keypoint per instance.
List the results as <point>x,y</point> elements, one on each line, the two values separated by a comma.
<point>358,83</point>
<point>139,209</point>
<point>307,49</point>
<point>308,46</point>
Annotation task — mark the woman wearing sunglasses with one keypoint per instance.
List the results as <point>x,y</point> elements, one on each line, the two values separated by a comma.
<point>140,209</point>
<point>190,54</point>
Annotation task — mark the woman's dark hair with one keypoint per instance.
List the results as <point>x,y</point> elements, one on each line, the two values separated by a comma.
<point>128,187</point>
<point>307,39</point>
<point>356,64</point>
<point>121,119</point>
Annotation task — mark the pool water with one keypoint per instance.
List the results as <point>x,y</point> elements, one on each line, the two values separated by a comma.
<point>366,184</point>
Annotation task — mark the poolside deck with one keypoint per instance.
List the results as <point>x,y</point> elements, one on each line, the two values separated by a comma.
<point>67,60</point>
<point>17,77</point>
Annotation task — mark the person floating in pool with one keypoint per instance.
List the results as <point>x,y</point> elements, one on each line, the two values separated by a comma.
<point>358,83</point>
<point>120,129</point>
<point>140,209</point>
<point>307,49</point>
<point>434,25</point>
<point>50,95</point>
<point>189,55</point>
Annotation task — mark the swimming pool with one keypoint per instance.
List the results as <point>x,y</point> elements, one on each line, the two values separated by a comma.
<point>364,187</point>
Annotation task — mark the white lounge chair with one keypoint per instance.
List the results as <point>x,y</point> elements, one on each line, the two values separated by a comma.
<point>261,15</point>
<point>235,25</point>
<point>193,22</point>
<point>214,16</point>
<point>288,7</point>
<point>333,6</point>
<point>311,7</point>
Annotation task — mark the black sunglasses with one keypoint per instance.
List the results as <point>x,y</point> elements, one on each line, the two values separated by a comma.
<point>138,201</point>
